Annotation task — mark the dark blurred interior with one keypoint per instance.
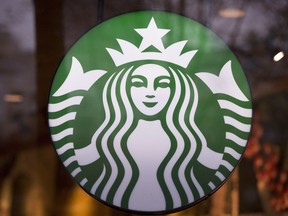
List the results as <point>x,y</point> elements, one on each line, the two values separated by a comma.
<point>34,36</point>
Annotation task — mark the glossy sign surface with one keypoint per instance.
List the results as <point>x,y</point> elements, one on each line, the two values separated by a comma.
<point>150,112</point>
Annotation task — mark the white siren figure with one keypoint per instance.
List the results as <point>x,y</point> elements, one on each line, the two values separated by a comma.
<point>147,159</point>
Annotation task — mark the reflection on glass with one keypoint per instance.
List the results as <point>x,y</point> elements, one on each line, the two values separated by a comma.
<point>278,56</point>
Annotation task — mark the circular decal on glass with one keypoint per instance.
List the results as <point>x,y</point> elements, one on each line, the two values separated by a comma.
<point>150,112</point>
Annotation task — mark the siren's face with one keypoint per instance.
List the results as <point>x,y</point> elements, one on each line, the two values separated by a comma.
<point>150,89</point>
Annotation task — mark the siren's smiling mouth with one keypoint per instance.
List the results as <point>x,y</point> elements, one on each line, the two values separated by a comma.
<point>150,104</point>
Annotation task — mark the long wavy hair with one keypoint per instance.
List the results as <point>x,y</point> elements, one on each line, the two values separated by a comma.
<point>175,173</point>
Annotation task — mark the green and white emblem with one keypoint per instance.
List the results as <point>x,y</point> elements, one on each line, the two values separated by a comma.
<point>150,112</point>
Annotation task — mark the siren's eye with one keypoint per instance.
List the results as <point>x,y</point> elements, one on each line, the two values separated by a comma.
<point>139,81</point>
<point>162,82</point>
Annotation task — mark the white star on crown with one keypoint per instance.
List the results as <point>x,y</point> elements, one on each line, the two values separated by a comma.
<point>152,36</point>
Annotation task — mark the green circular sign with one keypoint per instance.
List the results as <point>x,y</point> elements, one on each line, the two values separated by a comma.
<point>150,112</point>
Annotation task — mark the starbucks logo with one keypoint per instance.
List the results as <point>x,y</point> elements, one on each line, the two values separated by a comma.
<point>150,112</point>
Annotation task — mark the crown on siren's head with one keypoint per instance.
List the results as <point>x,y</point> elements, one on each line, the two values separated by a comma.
<point>152,36</point>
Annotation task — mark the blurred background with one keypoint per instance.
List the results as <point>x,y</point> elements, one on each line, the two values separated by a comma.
<point>34,36</point>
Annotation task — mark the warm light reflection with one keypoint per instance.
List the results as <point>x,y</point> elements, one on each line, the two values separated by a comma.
<point>81,204</point>
<point>231,13</point>
<point>13,98</point>
<point>278,56</point>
